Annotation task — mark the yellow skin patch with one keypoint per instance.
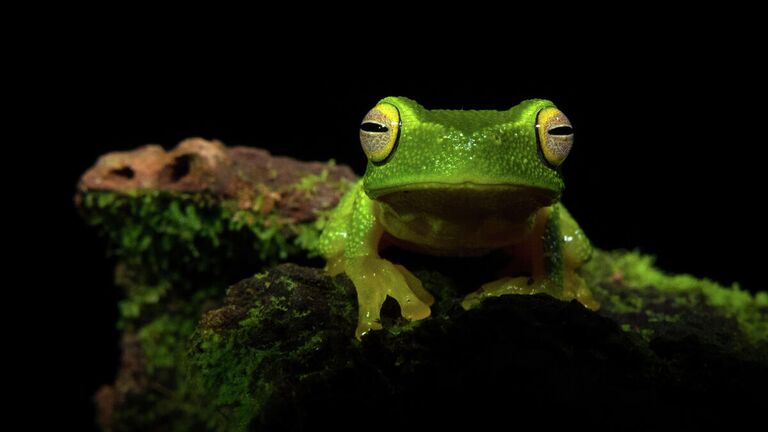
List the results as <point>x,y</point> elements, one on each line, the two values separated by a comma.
<point>456,183</point>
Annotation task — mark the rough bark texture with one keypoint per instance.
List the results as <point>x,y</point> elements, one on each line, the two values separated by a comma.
<point>275,351</point>
<point>247,176</point>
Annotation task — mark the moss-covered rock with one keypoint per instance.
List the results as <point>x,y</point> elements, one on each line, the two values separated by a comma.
<point>280,355</point>
<point>276,351</point>
<point>644,299</point>
<point>183,225</point>
<point>277,334</point>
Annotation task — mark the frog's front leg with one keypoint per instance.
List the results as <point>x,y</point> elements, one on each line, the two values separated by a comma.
<point>376,278</point>
<point>576,250</point>
<point>555,249</point>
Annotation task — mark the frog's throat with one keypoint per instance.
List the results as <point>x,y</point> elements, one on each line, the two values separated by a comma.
<point>544,195</point>
<point>465,203</point>
<point>461,219</point>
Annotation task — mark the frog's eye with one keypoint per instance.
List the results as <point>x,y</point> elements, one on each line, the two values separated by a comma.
<point>380,131</point>
<point>554,134</point>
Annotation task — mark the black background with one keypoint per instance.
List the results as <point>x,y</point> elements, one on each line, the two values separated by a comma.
<point>667,158</point>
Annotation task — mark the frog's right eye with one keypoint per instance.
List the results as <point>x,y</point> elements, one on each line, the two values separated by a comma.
<point>379,132</point>
<point>554,134</point>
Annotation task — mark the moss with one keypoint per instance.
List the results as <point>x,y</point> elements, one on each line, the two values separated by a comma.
<point>403,327</point>
<point>628,285</point>
<point>308,234</point>
<point>227,361</point>
<point>162,340</point>
<point>273,352</point>
<point>308,183</point>
<point>269,347</point>
<point>162,239</point>
<point>177,253</point>
<point>279,354</point>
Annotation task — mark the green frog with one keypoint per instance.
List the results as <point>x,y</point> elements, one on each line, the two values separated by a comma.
<point>458,183</point>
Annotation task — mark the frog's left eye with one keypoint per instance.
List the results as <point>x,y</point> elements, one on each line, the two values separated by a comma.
<point>555,135</point>
<point>380,131</point>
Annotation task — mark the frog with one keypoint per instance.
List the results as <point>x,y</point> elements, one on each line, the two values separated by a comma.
<point>458,183</point>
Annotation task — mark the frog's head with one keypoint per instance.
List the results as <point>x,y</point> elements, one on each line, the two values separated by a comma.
<point>448,161</point>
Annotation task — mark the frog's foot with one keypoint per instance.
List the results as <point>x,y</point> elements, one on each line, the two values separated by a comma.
<point>374,279</point>
<point>504,286</point>
<point>576,288</point>
<point>415,285</point>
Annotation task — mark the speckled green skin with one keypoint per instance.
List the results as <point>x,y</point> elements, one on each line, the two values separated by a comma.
<point>457,183</point>
<point>454,146</point>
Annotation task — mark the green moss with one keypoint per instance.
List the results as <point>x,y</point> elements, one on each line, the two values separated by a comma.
<point>227,373</point>
<point>308,183</point>
<point>629,283</point>
<point>178,253</point>
<point>403,327</point>
<point>308,234</point>
<point>625,305</point>
<point>342,283</point>
<point>162,240</point>
<point>239,368</point>
<point>285,351</point>
<point>144,223</point>
<point>139,295</point>
<point>163,339</point>
<point>232,373</point>
<point>655,317</point>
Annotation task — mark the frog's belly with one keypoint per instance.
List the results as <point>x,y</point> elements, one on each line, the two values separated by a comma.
<point>455,236</point>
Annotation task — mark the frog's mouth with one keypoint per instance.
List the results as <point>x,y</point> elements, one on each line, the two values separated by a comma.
<point>467,200</point>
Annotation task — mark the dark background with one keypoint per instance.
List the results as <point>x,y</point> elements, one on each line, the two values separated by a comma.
<point>667,157</point>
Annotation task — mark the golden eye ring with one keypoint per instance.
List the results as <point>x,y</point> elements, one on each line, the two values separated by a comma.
<point>379,132</point>
<point>554,134</point>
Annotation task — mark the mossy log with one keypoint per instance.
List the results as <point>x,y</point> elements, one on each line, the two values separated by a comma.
<point>276,351</point>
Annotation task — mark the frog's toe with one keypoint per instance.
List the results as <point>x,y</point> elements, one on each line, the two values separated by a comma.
<point>414,309</point>
<point>416,287</point>
<point>363,328</point>
<point>414,300</point>
<point>576,287</point>
<point>503,286</point>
